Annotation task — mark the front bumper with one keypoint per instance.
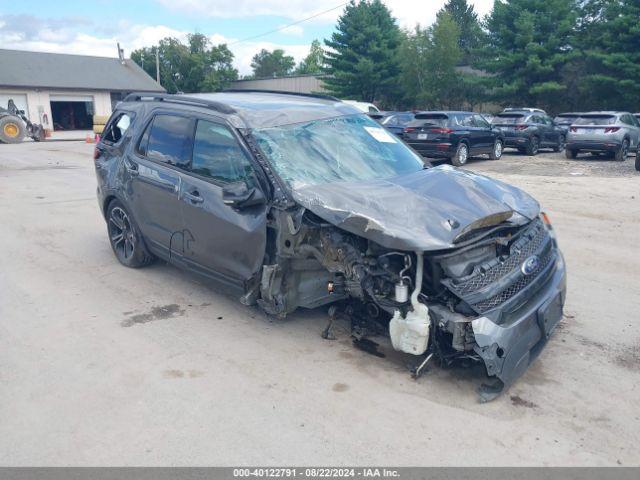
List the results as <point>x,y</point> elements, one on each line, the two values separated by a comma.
<point>508,348</point>
<point>593,146</point>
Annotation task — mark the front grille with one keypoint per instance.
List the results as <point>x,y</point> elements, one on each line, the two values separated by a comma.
<point>521,284</point>
<point>534,241</point>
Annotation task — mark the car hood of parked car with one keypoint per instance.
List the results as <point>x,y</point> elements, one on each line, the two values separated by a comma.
<point>426,210</point>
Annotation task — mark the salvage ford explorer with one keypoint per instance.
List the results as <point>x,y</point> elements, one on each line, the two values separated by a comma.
<point>303,201</point>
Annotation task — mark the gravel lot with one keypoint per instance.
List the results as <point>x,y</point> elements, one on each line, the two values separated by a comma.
<point>102,365</point>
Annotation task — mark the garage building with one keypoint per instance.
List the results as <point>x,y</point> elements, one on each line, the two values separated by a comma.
<point>63,92</point>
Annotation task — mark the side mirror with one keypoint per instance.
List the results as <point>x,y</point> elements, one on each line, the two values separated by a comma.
<point>239,195</point>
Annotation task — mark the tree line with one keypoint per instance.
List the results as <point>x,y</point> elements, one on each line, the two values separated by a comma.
<point>553,54</point>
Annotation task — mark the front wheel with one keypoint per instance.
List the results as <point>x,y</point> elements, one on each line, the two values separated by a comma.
<point>496,153</point>
<point>623,151</point>
<point>125,238</point>
<point>561,143</point>
<point>461,156</point>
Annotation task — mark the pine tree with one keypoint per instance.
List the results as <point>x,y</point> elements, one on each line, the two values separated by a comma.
<point>529,44</point>
<point>362,58</point>
<point>610,36</point>
<point>470,31</point>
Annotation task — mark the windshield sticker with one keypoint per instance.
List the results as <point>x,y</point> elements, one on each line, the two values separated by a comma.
<point>380,134</point>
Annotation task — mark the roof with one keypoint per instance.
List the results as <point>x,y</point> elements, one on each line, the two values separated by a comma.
<point>444,112</point>
<point>77,72</point>
<point>271,109</point>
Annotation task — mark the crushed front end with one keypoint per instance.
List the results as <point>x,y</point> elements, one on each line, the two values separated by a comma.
<point>494,298</point>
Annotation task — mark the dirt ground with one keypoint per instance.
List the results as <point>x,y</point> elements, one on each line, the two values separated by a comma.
<point>103,365</point>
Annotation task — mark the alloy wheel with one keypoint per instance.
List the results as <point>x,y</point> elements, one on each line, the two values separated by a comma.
<point>463,154</point>
<point>121,234</point>
<point>497,149</point>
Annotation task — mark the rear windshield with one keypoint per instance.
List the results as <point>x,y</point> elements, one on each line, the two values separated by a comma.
<point>566,118</point>
<point>596,120</point>
<point>508,118</point>
<point>429,120</point>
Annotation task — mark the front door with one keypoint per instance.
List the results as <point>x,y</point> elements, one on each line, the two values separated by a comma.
<point>152,178</point>
<point>220,241</point>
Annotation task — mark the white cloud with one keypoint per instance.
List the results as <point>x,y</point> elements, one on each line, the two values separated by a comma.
<point>27,32</point>
<point>293,30</point>
<point>408,12</point>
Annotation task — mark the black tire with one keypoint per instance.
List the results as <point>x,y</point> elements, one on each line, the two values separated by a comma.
<point>533,146</point>
<point>12,129</point>
<point>571,153</point>
<point>496,152</point>
<point>461,156</point>
<point>638,159</point>
<point>623,152</point>
<point>522,150</point>
<point>561,143</point>
<point>125,238</point>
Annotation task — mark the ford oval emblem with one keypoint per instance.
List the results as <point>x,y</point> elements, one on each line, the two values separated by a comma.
<point>530,265</point>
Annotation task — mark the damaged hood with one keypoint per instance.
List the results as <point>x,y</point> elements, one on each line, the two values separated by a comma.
<point>426,210</point>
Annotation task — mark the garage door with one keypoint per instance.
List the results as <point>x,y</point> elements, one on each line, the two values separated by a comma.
<point>19,99</point>
<point>71,98</point>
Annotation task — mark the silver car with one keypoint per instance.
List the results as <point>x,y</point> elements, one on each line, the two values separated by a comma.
<point>613,133</point>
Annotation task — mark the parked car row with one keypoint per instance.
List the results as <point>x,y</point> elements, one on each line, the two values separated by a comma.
<point>458,135</point>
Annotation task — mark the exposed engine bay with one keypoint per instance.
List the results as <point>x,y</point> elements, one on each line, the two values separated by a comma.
<point>425,302</point>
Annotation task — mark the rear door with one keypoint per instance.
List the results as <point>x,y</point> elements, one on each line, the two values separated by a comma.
<point>486,136</point>
<point>221,242</point>
<point>152,181</point>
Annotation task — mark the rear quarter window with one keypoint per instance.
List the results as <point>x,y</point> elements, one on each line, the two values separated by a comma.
<point>116,128</point>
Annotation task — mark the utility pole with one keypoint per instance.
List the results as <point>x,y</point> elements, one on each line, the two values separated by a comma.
<point>158,65</point>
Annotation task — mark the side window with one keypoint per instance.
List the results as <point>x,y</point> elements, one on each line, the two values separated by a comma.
<point>217,155</point>
<point>116,128</point>
<point>467,121</point>
<point>480,122</point>
<point>168,139</point>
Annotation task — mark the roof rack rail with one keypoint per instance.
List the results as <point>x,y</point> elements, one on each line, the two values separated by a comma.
<point>179,99</point>
<point>282,92</point>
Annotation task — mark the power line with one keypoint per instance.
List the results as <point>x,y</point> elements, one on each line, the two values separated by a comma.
<point>289,25</point>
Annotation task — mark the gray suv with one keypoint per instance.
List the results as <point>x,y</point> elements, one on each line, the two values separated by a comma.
<point>612,133</point>
<point>299,201</point>
<point>529,130</point>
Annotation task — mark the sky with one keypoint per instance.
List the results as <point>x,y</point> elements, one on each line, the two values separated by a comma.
<point>93,27</point>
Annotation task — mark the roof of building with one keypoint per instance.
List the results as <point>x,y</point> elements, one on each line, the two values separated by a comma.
<point>261,109</point>
<point>78,72</point>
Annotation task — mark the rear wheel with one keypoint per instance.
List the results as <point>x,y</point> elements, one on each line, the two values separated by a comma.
<point>533,146</point>
<point>561,143</point>
<point>125,238</point>
<point>461,156</point>
<point>496,153</point>
<point>623,151</point>
<point>570,153</point>
<point>12,129</point>
<point>638,159</point>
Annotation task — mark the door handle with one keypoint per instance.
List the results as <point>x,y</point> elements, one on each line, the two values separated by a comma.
<point>131,167</point>
<point>194,197</point>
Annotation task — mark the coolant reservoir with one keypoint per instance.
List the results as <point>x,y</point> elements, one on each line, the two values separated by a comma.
<point>411,333</point>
